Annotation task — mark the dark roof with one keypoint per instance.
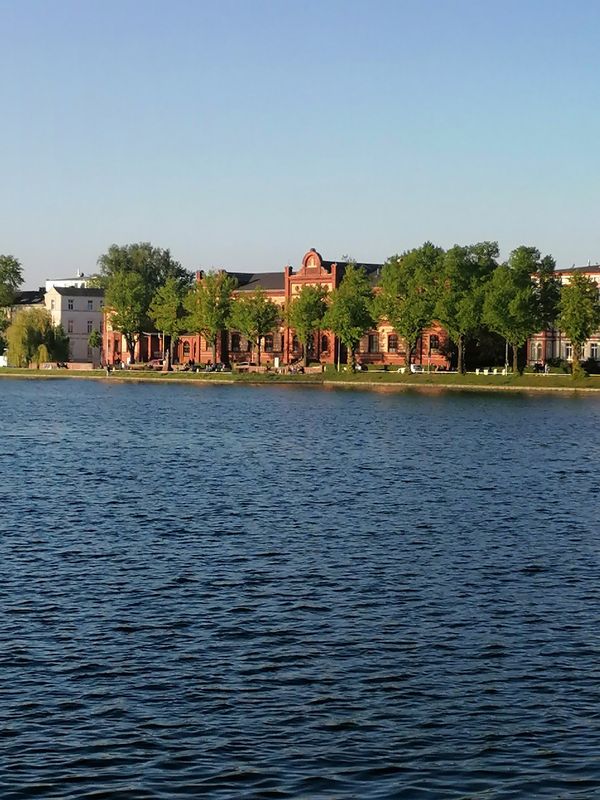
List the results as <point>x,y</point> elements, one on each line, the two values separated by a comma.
<point>269,281</point>
<point>29,297</point>
<point>73,291</point>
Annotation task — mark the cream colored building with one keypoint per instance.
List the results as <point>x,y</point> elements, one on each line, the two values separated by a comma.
<point>79,310</point>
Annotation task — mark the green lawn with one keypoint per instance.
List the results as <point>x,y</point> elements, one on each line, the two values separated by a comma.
<point>330,377</point>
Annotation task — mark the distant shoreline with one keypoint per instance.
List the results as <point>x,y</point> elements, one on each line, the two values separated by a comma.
<point>373,381</point>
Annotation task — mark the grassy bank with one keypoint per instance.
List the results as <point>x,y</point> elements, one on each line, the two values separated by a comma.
<point>369,379</point>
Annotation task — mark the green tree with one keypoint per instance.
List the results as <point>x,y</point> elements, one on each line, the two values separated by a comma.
<point>208,304</point>
<point>166,312</point>
<point>126,300</point>
<point>579,314</point>
<point>95,340</point>
<point>511,305</point>
<point>31,338</point>
<point>58,344</point>
<point>148,269</point>
<point>461,287</point>
<point>154,265</point>
<point>254,316</point>
<point>408,292</point>
<point>350,312</point>
<point>305,313</point>
<point>11,277</point>
<point>547,291</point>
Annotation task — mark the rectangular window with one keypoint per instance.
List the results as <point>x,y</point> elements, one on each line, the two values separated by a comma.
<point>51,305</point>
<point>90,305</point>
<point>434,342</point>
<point>373,343</point>
<point>70,304</point>
<point>392,343</point>
<point>70,326</point>
<point>594,351</point>
<point>90,326</point>
<point>568,351</point>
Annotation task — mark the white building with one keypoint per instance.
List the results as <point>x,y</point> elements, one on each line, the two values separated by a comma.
<point>79,310</point>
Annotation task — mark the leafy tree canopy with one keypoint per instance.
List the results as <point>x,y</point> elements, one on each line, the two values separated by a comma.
<point>254,315</point>
<point>459,304</point>
<point>126,299</point>
<point>408,292</point>
<point>11,277</point>
<point>31,337</point>
<point>208,305</point>
<point>305,313</point>
<point>350,313</point>
<point>579,313</point>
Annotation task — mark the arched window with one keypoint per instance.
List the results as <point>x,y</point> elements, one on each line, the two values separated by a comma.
<point>538,352</point>
<point>392,343</point>
<point>269,343</point>
<point>434,342</point>
<point>295,343</point>
<point>186,349</point>
<point>533,351</point>
<point>235,343</point>
<point>324,344</point>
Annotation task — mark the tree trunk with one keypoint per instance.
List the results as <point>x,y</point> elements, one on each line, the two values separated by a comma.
<point>258,347</point>
<point>339,354</point>
<point>460,366</point>
<point>214,351</point>
<point>576,363</point>
<point>306,354</point>
<point>515,350</point>
<point>130,349</point>
<point>408,356</point>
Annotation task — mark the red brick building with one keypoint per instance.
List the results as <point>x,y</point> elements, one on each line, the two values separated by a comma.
<point>381,345</point>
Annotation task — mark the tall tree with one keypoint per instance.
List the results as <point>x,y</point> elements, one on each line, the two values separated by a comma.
<point>254,315</point>
<point>579,314</point>
<point>408,292</point>
<point>148,269</point>
<point>11,277</point>
<point>166,312</point>
<point>547,290</point>
<point>512,306</point>
<point>350,312</point>
<point>305,314</point>
<point>208,306</point>
<point>461,285</point>
<point>126,300</point>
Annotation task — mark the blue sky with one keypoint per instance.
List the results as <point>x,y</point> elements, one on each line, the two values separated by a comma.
<point>241,133</point>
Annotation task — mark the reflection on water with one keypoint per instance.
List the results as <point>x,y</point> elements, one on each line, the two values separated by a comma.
<point>269,592</point>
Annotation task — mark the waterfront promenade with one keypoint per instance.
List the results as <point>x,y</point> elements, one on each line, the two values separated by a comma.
<point>365,380</point>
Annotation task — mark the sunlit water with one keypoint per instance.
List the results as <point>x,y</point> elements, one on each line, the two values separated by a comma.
<point>273,593</point>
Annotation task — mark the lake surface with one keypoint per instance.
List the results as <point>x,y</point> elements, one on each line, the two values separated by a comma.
<point>265,592</point>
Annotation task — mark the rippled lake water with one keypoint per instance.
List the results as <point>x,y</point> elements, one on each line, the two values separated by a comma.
<point>261,592</point>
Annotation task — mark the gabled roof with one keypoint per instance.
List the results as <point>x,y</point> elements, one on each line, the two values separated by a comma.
<point>74,291</point>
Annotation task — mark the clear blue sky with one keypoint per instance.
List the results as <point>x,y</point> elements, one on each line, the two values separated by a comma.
<point>239,134</point>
